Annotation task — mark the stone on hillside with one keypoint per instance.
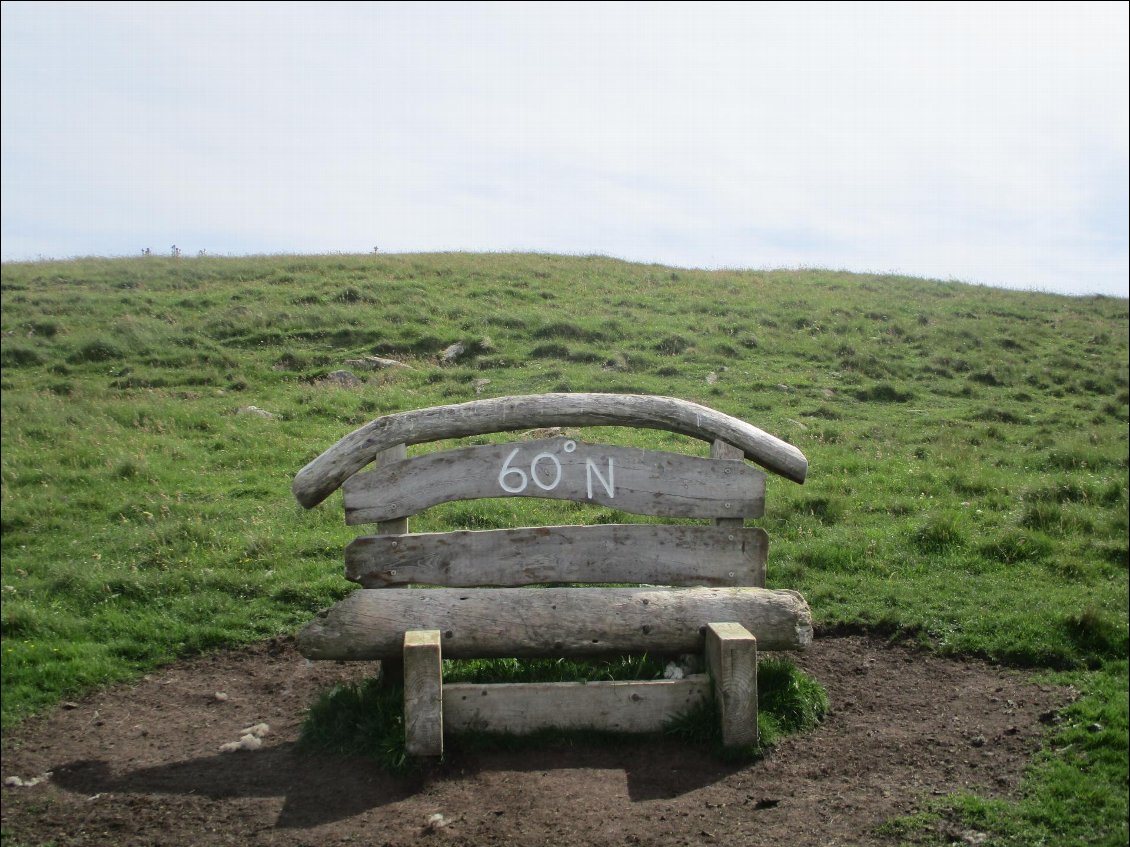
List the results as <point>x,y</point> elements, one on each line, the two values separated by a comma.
<point>453,352</point>
<point>344,379</point>
<point>256,411</point>
<point>374,363</point>
<point>712,378</point>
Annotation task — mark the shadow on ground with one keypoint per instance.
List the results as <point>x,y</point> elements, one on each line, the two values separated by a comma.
<point>319,789</point>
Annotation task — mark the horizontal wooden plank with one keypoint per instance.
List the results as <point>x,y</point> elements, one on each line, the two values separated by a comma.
<point>521,708</point>
<point>323,475</point>
<point>500,622</point>
<point>642,482</point>
<point>656,555</point>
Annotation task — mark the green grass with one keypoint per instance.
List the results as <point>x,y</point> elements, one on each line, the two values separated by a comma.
<point>968,452</point>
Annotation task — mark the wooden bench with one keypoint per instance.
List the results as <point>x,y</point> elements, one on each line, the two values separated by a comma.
<point>700,588</point>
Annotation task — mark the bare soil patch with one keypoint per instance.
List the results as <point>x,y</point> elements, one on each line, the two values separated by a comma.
<point>140,764</point>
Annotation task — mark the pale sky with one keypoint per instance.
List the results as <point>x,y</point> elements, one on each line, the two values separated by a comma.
<point>979,142</point>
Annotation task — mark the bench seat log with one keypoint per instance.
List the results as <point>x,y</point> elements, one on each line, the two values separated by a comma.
<point>642,482</point>
<point>633,553</point>
<point>523,622</point>
<point>325,474</point>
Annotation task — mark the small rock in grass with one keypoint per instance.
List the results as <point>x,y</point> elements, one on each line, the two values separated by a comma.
<point>250,742</point>
<point>374,363</point>
<point>256,411</point>
<point>247,742</point>
<point>691,663</point>
<point>452,353</point>
<point>220,697</point>
<point>344,379</point>
<point>435,822</point>
<point>18,782</point>
<point>251,738</point>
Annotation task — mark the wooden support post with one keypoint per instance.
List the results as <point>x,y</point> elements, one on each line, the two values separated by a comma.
<point>731,657</point>
<point>396,453</point>
<point>723,450</point>
<point>392,670</point>
<point>423,693</point>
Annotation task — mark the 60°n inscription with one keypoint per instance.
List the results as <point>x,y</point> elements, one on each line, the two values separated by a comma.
<point>644,482</point>
<point>546,472</point>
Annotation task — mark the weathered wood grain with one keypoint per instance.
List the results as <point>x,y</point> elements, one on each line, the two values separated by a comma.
<point>521,708</point>
<point>642,482</point>
<point>722,450</point>
<point>731,658</point>
<point>392,669</point>
<point>397,524</point>
<point>521,622</point>
<point>633,553</point>
<point>318,479</point>
<point>423,693</point>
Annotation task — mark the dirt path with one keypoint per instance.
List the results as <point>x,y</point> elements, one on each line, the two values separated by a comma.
<point>140,765</point>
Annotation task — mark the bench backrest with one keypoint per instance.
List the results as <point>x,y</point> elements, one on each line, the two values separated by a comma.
<point>722,488</point>
<point>719,603</point>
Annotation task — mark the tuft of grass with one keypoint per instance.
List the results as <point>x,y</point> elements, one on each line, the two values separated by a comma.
<point>827,510</point>
<point>96,351</point>
<point>18,356</point>
<point>790,700</point>
<point>883,392</point>
<point>1013,547</point>
<point>629,667</point>
<point>672,345</point>
<point>940,534</point>
<point>1095,632</point>
<point>360,718</point>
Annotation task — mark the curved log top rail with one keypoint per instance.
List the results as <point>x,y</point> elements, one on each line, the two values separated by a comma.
<point>321,477</point>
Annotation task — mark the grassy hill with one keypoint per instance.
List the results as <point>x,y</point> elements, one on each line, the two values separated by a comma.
<point>967,448</point>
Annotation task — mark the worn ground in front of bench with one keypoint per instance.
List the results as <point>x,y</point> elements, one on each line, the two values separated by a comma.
<point>140,765</point>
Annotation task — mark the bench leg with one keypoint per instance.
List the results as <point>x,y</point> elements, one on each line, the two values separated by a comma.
<point>423,693</point>
<point>731,657</point>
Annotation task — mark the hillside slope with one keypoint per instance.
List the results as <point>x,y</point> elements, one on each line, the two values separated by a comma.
<point>967,446</point>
